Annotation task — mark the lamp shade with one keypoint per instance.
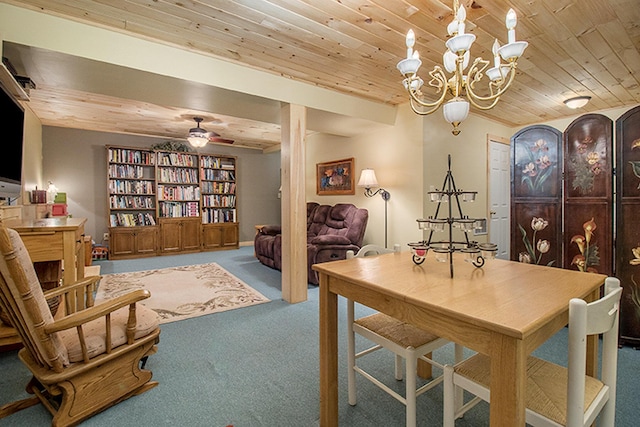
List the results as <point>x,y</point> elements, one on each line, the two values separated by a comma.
<point>368,179</point>
<point>198,140</point>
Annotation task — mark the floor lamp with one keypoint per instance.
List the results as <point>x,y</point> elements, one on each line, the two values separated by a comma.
<point>368,181</point>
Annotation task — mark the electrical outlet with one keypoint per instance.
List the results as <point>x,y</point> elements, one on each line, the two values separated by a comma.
<point>105,236</point>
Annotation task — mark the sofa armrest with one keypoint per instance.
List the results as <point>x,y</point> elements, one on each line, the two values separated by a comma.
<point>330,239</point>
<point>271,230</point>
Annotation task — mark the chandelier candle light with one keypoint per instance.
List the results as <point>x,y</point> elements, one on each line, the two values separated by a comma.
<point>460,87</point>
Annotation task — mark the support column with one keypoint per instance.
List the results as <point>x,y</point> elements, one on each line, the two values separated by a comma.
<point>293,120</point>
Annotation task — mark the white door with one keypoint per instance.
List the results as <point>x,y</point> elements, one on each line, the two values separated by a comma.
<point>499,196</point>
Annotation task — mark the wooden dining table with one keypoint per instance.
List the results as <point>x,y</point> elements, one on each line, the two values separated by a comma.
<point>504,309</point>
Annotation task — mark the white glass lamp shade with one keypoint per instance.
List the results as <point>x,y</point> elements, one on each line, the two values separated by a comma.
<point>497,73</point>
<point>198,140</point>
<point>577,102</point>
<point>368,179</point>
<point>512,50</point>
<point>416,83</point>
<point>455,112</point>
<point>409,66</point>
<point>461,43</point>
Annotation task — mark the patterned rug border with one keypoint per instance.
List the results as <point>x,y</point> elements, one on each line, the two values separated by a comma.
<point>223,298</point>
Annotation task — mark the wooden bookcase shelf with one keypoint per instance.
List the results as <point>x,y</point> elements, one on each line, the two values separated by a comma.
<point>219,208</point>
<point>163,202</point>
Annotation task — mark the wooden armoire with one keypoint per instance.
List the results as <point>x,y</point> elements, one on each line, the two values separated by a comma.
<point>568,211</point>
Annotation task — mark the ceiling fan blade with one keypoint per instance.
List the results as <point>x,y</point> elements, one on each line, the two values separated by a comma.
<point>222,140</point>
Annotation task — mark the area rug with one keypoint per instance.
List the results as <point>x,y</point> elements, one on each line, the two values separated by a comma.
<point>183,292</point>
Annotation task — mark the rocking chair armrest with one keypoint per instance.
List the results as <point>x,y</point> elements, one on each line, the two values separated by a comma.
<point>61,290</point>
<point>91,313</point>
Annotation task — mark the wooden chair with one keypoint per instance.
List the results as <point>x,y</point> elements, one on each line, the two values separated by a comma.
<point>404,340</point>
<point>89,357</point>
<point>555,395</point>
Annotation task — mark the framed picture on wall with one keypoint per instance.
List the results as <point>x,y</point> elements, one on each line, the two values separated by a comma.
<point>336,177</point>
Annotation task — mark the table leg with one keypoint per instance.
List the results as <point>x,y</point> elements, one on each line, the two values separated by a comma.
<point>508,381</point>
<point>328,354</point>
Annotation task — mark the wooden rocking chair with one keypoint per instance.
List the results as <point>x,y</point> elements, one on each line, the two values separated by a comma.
<point>89,357</point>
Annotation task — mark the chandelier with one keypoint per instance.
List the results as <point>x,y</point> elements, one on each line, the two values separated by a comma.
<point>461,88</point>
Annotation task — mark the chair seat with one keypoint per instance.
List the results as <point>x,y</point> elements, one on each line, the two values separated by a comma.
<point>546,384</point>
<point>95,337</point>
<point>396,331</point>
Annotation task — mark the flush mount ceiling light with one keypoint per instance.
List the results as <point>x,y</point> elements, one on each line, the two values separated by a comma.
<point>577,102</point>
<point>199,137</point>
<point>454,82</point>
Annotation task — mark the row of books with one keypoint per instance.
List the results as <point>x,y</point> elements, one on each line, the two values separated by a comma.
<point>126,171</point>
<point>216,162</point>
<point>218,187</point>
<point>178,209</point>
<point>132,202</point>
<point>212,216</point>
<point>217,175</point>
<point>184,176</point>
<point>131,187</point>
<point>123,155</point>
<point>172,192</point>
<point>177,159</point>
<point>218,200</point>
<point>131,219</point>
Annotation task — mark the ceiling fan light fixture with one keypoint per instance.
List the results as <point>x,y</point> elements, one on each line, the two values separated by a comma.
<point>198,137</point>
<point>577,102</point>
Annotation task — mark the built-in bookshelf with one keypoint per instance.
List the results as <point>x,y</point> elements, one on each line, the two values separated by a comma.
<point>131,187</point>
<point>178,185</point>
<point>218,185</point>
<point>163,202</point>
<point>219,208</point>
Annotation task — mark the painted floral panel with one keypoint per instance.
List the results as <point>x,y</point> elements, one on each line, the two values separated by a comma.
<point>536,160</point>
<point>588,157</point>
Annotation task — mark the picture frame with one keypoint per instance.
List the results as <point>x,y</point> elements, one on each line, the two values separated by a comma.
<point>336,177</point>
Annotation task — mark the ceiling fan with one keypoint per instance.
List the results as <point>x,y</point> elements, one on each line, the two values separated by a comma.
<point>199,137</point>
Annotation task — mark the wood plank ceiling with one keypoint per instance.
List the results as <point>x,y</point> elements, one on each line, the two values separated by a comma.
<point>576,47</point>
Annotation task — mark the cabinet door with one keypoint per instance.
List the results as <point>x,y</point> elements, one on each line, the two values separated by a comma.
<point>170,236</point>
<point>190,234</point>
<point>122,242</point>
<point>211,236</point>
<point>147,241</point>
<point>230,235</point>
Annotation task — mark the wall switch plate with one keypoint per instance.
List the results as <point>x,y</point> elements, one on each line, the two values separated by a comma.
<point>105,236</point>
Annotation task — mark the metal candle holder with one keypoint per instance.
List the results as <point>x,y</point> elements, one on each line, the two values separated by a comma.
<point>476,253</point>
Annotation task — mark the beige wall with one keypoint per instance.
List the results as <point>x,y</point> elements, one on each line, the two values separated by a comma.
<point>31,155</point>
<point>613,114</point>
<point>468,153</point>
<point>395,153</point>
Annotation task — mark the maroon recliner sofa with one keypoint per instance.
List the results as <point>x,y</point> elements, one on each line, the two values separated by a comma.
<point>331,232</point>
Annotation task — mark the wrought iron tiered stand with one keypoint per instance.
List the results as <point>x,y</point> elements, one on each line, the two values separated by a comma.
<point>475,253</point>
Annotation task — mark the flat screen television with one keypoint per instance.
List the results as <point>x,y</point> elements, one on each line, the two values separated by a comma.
<point>11,143</point>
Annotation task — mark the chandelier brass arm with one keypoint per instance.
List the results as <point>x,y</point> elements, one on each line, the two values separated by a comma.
<point>501,85</point>
<point>413,85</point>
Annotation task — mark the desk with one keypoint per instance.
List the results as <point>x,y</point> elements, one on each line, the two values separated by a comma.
<point>504,310</point>
<point>54,239</point>
<point>50,239</point>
